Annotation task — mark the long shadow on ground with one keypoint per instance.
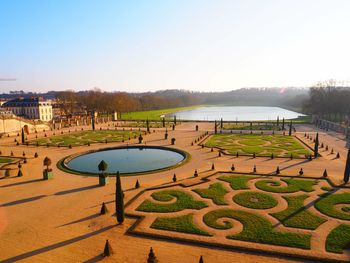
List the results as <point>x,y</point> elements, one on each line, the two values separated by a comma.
<point>57,245</point>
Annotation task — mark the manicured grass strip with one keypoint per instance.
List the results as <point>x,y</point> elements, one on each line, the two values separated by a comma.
<point>183,201</point>
<point>326,205</point>
<point>182,224</point>
<point>153,114</point>
<point>255,200</point>
<point>5,160</point>
<point>293,185</point>
<point>237,182</point>
<point>256,229</point>
<point>247,127</point>
<point>338,239</point>
<point>143,124</point>
<point>297,215</point>
<point>85,137</point>
<point>215,192</point>
<point>326,188</point>
<point>261,145</point>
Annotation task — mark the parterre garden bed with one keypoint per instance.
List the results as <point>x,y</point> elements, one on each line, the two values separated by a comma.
<point>261,145</point>
<point>254,127</point>
<point>143,124</point>
<point>86,137</point>
<point>282,215</point>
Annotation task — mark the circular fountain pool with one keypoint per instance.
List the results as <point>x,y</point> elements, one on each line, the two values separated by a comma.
<point>127,160</point>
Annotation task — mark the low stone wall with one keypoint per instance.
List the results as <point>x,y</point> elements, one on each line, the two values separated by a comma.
<point>14,125</point>
<point>332,126</point>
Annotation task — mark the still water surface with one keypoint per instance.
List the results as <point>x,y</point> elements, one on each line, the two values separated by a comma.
<point>127,160</point>
<point>236,113</point>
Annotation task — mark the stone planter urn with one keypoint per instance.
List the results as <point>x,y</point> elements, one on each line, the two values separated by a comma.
<point>103,180</point>
<point>47,174</point>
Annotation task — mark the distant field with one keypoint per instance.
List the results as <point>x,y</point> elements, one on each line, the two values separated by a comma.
<point>153,114</point>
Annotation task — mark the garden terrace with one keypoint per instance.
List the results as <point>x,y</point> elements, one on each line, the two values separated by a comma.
<point>261,145</point>
<point>260,212</point>
<point>143,124</point>
<point>86,137</point>
<point>253,126</point>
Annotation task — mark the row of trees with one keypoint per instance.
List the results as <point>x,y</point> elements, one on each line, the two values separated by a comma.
<point>108,102</point>
<point>329,101</point>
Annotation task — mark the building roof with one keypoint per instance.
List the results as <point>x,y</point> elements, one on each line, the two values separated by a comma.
<point>24,102</point>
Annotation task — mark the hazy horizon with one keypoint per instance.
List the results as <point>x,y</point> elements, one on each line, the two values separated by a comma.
<point>140,46</point>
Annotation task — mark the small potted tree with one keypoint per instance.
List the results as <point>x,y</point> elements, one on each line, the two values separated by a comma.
<point>47,173</point>
<point>103,177</point>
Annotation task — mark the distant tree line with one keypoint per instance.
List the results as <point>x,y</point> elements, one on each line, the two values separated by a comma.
<point>85,101</point>
<point>329,101</point>
<point>98,100</point>
<point>107,102</point>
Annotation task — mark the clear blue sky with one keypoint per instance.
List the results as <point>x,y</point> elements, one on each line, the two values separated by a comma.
<point>209,45</point>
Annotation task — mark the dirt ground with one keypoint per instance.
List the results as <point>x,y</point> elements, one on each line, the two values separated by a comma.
<point>58,220</point>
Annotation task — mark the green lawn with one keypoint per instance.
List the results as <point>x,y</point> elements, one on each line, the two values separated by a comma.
<point>261,145</point>
<point>255,229</point>
<point>142,124</point>
<point>85,137</point>
<point>215,192</point>
<point>327,205</point>
<point>254,127</point>
<point>153,114</point>
<point>237,182</point>
<point>255,200</point>
<point>183,201</point>
<point>338,239</point>
<point>293,185</point>
<point>5,160</point>
<point>297,215</point>
<point>183,224</point>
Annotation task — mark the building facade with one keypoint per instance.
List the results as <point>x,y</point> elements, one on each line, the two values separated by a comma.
<point>31,108</point>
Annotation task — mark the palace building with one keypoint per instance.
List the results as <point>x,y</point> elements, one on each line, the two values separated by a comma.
<point>30,108</point>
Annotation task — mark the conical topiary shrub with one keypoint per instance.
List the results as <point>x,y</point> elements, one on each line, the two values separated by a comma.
<point>137,184</point>
<point>19,173</point>
<point>104,209</point>
<point>107,251</point>
<point>325,174</point>
<point>278,170</point>
<point>201,259</point>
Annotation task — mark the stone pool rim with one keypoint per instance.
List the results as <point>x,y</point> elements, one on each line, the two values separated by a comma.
<point>63,163</point>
